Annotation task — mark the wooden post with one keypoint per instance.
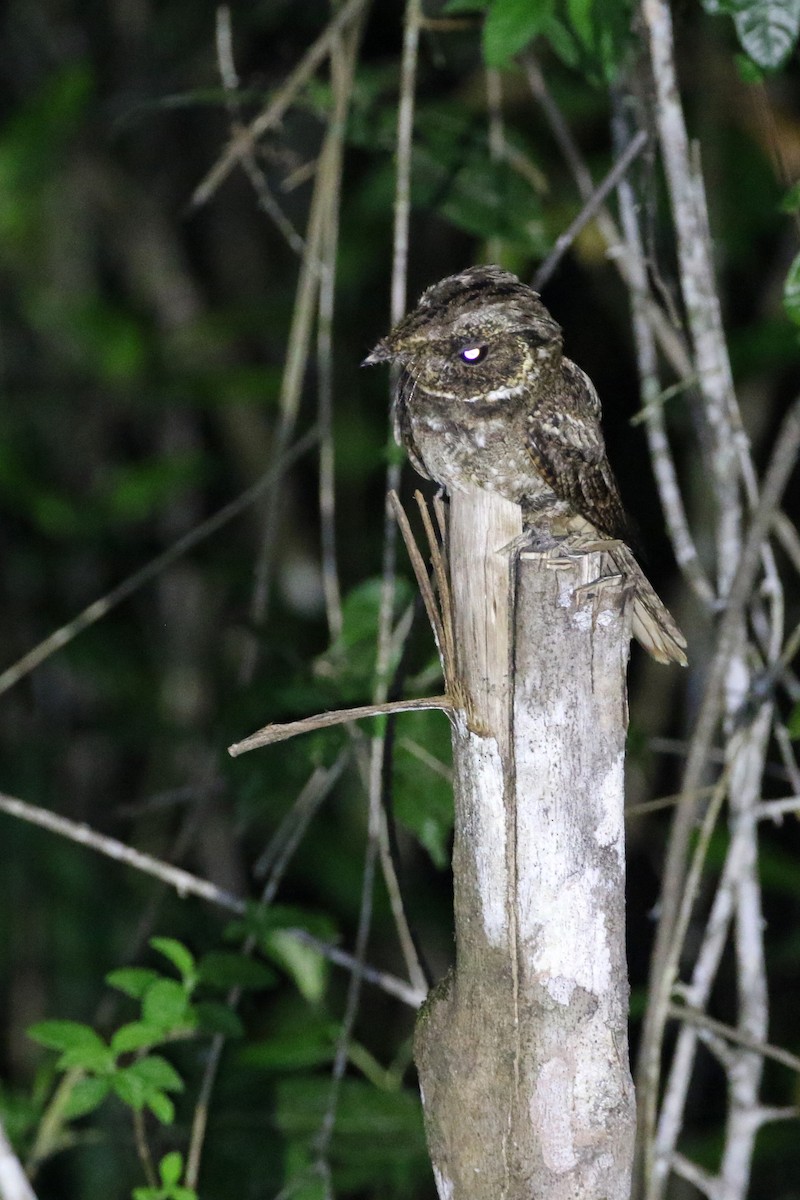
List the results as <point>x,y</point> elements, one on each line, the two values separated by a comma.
<point>522,1050</point>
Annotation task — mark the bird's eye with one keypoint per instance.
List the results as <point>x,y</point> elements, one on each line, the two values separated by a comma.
<point>473,354</point>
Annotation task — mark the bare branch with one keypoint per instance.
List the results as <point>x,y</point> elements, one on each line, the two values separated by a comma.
<point>186,884</point>
<point>270,117</point>
<point>660,452</point>
<point>589,210</point>
<point>279,733</point>
<point>694,1016</point>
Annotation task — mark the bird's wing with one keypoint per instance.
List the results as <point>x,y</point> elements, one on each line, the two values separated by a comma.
<point>566,444</point>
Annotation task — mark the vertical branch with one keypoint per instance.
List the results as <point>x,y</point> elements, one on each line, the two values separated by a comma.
<point>402,212</point>
<point>655,426</point>
<point>698,286</point>
<point>715,384</point>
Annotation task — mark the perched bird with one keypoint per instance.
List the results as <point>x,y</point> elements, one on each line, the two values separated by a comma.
<point>486,398</point>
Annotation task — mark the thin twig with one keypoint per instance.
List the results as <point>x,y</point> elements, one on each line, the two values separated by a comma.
<point>270,117</point>
<point>186,884</point>
<point>279,733</point>
<point>703,1180</point>
<point>438,553</point>
<point>698,285</point>
<point>230,82</point>
<point>669,338</point>
<point>138,579</point>
<point>143,1148</point>
<point>341,1055</point>
<point>271,864</point>
<point>589,210</point>
<point>702,1021</point>
<point>775,810</point>
<point>421,574</point>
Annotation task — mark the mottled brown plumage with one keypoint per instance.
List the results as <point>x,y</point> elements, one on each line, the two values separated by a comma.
<point>487,399</point>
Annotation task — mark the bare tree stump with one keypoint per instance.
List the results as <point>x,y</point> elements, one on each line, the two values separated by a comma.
<point>522,1050</point>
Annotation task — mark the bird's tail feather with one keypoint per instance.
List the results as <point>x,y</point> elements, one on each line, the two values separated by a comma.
<point>652,626</point>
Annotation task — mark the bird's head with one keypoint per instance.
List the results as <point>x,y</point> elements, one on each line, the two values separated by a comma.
<point>481,335</point>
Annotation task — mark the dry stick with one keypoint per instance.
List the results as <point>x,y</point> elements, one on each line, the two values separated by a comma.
<point>702,1021</point>
<point>186,884</point>
<point>441,573</point>
<point>281,733</point>
<point>271,864</point>
<point>701,1179</point>
<point>660,452</point>
<point>778,472</point>
<point>590,209</point>
<point>662,802</point>
<point>423,582</point>
<point>271,116</point>
<point>776,810</point>
<point>230,82</point>
<point>150,570</point>
<point>698,286</point>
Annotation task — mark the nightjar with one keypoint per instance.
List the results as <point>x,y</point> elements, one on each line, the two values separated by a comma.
<point>487,399</point>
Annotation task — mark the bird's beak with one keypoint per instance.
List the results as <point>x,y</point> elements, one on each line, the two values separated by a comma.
<point>383,352</point>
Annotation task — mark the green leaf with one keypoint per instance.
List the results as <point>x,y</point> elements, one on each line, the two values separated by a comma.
<point>178,954</point>
<point>131,1090</point>
<point>466,6</point>
<point>161,1107</point>
<point>793,724</point>
<point>580,16</point>
<point>156,1072</point>
<point>80,1045</point>
<point>791,292</point>
<point>510,26</point>
<point>225,969</point>
<point>133,981</point>
<point>65,1035</point>
<point>136,1035</point>
<point>306,966</point>
<point>747,70</point>
<point>86,1095</point>
<point>767,29</point>
<point>171,1168</point>
<point>167,1006</point>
